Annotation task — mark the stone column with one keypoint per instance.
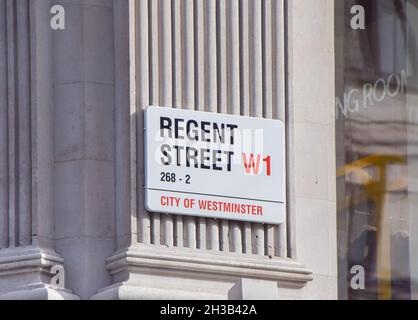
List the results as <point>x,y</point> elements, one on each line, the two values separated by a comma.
<point>311,143</point>
<point>84,149</point>
<point>26,162</point>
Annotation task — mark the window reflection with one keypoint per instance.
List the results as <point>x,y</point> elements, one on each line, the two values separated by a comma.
<point>377,148</point>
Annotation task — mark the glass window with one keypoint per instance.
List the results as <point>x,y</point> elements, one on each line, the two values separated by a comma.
<point>377,149</point>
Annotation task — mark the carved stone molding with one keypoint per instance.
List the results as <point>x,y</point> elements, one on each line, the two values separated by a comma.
<point>146,262</point>
<point>25,273</point>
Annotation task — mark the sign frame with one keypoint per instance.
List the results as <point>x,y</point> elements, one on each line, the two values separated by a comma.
<point>228,205</point>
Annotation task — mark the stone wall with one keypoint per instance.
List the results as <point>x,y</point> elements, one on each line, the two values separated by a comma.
<point>71,142</point>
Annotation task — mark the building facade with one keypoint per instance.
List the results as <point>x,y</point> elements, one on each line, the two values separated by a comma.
<point>73,224</point>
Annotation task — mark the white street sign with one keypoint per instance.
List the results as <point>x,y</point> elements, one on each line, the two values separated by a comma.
<point>214,165</point>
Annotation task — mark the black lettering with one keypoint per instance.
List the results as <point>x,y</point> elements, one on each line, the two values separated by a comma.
<point>205,131</point>
<point>178,156</point>
<point>232,127</point>
<point>195,132</point>
<point>229,154</point>
<point>178,128</point>
<point>216,159</point>
<point>203,158</point>
<point>221,133</point>
<point>165,124</point>
<point>166,160</point>
<point>191,154</point>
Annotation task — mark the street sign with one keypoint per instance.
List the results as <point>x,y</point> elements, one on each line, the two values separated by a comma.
<point>214,165</point>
